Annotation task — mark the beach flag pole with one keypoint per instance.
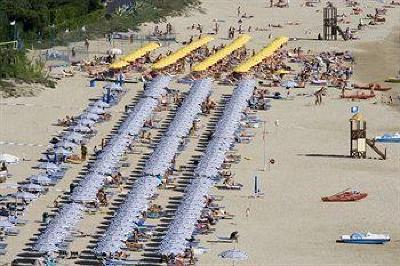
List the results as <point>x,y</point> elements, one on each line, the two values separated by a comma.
<point>264,151</point>
<point>255,186</point>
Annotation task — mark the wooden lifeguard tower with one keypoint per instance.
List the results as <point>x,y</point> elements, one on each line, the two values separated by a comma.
<point>359,140</point>
<point>330,23</point>
<point>358,136</point>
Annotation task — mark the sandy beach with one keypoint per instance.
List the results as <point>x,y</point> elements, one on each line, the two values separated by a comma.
<point>289,225</point>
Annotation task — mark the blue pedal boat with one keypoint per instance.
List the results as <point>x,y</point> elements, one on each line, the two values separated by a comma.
<point>364,238</point>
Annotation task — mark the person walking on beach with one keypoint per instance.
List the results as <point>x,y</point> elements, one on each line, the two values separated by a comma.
<point>87,44</point>
<point>83,152</point>
<point>271,2</point>
<point>238,11</point>
<point>216,28</point>
<point>343,89</point>
<point>318,96</point>
<point>200,29</point>
<point>317,102</point>
<point>287,91</point>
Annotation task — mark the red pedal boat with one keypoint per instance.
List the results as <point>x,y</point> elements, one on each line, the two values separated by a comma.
<point>346,195</point>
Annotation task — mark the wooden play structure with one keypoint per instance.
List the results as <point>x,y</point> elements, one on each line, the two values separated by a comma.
<point>359,140</point>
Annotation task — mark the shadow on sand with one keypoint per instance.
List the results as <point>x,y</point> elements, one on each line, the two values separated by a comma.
<point>335,156</point>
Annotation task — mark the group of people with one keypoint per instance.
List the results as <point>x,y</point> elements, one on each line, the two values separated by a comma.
<point>209,105</point>
<point>158,32</point>
<point>66,122</point>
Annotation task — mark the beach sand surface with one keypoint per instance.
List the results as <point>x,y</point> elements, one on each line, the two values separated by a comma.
<point>289,225</point>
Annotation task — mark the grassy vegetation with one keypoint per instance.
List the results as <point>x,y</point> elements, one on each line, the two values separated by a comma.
<point>44,23</point>
<point>16,67</point>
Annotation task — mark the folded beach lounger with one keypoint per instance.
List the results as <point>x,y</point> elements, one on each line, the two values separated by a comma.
<point>12,231</point>
<point>199,251</point>
<point>74,255</point>
<point>235,187</point>
<point>20,221</point>
<point>122,262</point>
<point>185,81</point>
<point>3,252</point>
<point>217,197</point>
<point>245,140</point>
<point>224,239</point>
<point>62,254</point>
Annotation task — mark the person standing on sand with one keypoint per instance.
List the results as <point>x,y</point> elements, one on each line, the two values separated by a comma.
<point>238,11</point>
<point>3,166</point>
<point>287,91</point>
<point>343,89</point>
<point>83,152</point>
<point>316,98</point>
<point>271,3</point>
<point>87,44</point>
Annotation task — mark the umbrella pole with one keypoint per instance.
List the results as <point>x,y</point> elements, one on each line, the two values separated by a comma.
<point>264,152</point>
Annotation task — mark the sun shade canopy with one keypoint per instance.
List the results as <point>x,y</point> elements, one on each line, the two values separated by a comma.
<point>267,51</point>
<point>131,57</point>
<point>136,54</point>
<point>227,50</point>
<point>181,53</point>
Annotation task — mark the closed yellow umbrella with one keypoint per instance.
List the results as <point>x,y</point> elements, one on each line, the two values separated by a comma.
<point>282,71</point>
<point>222,53</point>
<point>119,64</point>
<point>182,52</point>
<point>267,51</point>
<point>131,57</point>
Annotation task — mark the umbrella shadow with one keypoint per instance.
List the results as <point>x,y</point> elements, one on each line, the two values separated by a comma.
<point>321,155</point>
<point>151,254</point>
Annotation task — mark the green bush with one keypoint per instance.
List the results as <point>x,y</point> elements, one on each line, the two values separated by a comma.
<point>15,65</point>
<point>43,23</point>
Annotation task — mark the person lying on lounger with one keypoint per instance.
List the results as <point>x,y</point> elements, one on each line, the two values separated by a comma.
<point>228,181</point>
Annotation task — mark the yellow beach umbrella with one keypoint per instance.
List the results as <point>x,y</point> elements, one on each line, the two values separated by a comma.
<point>222,53</point>
<point>182,52</point>
<point>267,51</point>
<point>282,71</point>
<point>131,57</point>
<point>119,64</point>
